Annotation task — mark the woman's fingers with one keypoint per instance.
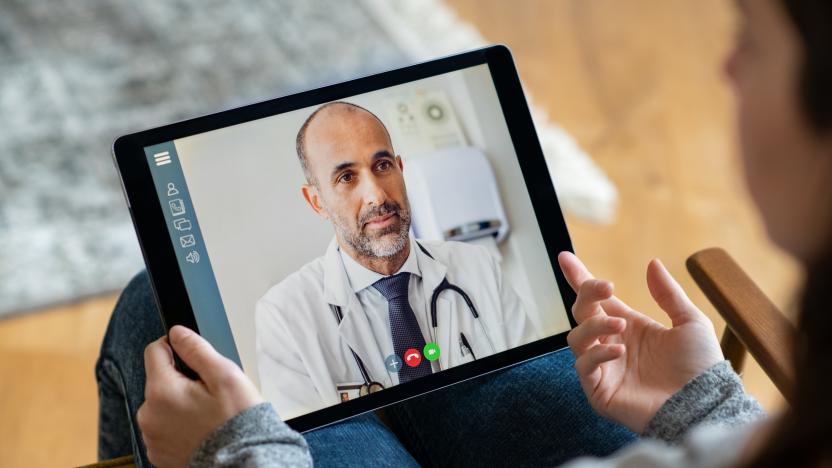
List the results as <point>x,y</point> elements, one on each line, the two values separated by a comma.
<point>573,269</point>
<point>158,360</point>
<point>587,334</point>
<point>668,294</point>
<point>576,274</point>
<point>590,295</point>
<point>588,364</point>
<point>211,366</point>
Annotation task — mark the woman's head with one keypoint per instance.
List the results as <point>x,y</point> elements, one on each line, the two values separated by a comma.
<point>781,69</point>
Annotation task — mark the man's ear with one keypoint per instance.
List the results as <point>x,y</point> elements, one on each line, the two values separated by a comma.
<point>399,161</point>
<point>312,197</point>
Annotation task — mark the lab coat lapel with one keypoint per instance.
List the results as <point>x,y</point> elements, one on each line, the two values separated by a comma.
<point>336,284</point>
<point>433,271</point>
<point>355,329</point>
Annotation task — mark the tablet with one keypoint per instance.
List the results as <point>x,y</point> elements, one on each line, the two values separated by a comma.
<point>362,243</point>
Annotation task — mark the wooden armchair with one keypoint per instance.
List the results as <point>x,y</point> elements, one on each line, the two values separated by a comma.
<point>126,461</point>
<point>753,322</point>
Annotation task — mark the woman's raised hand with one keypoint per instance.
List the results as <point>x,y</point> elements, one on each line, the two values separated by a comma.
<point>628,363</point>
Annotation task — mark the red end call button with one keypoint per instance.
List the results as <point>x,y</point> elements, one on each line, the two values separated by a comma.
<point>412,357</point>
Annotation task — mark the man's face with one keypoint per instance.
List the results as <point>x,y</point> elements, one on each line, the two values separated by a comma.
<point>358,183</point>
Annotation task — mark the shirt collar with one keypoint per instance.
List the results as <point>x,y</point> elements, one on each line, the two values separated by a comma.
<point>361,277</point>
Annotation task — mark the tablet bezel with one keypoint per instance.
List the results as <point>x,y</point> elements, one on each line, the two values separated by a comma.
<point>159,252</point>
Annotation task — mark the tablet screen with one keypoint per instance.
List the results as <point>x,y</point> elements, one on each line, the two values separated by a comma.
<point>345,248</point>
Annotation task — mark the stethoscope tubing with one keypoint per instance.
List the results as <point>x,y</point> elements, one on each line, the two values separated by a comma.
<point>445,285</point>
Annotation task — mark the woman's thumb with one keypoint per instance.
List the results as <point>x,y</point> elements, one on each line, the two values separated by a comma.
<point>196,353</point>
<point>668,294</point>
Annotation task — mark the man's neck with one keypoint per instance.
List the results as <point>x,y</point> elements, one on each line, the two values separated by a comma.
<point>382,265</point>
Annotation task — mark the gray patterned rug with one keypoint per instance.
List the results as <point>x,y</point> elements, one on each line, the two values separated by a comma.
<point>75,75</point>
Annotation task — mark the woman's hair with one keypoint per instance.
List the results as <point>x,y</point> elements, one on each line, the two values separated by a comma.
<point>813,21</point>
<point>804,436</point>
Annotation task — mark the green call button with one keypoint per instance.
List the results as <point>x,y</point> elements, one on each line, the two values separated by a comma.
<point>431,351</point>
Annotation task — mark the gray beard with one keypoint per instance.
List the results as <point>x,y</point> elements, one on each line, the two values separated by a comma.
<point>377,248</point>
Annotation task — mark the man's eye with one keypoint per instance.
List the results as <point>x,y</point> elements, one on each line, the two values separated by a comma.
<point>385,165</point>
<point>346,178</point>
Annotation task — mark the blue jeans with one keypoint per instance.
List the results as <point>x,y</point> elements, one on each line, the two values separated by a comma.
<point>531,414</point>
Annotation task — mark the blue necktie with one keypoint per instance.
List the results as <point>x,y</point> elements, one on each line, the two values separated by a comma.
<point>403,324</point>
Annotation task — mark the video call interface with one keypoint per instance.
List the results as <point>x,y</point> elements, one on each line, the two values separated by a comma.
<point>345,248</point>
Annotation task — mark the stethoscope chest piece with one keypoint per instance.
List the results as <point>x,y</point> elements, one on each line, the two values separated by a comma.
<point>372,387</point>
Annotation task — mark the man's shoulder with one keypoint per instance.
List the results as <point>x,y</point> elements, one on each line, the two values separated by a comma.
<point>448,251</point>
<point>296,286</point>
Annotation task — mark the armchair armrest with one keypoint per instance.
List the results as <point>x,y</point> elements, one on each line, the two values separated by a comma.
<point>753,322</point>
<point>126,461</point>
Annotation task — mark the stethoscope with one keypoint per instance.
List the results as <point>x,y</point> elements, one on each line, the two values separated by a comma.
<point>372,386</point>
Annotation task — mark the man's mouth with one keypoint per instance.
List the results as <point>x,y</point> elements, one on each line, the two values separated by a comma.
<point>381,222</point>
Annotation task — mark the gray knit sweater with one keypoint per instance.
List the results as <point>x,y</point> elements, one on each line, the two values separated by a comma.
<point>714,402</point>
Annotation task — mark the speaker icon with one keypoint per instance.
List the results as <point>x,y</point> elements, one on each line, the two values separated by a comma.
<point>192,257</point>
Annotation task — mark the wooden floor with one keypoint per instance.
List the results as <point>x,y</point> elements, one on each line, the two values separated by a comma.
<point>637,82</point>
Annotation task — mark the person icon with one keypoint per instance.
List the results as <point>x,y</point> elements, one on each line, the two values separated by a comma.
<point>172,190</point>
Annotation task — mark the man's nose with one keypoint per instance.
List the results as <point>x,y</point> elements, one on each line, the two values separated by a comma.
<point>373,192</point>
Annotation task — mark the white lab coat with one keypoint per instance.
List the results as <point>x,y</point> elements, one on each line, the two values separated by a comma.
<point>303,354</point>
